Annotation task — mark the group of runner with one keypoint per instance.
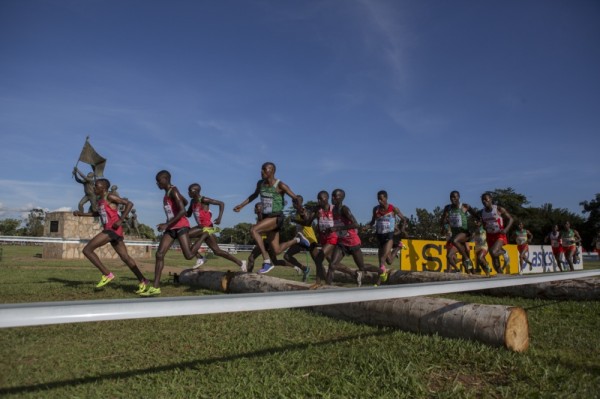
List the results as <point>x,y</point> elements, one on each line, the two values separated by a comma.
<point>491,234</point>
<point>335,237</point>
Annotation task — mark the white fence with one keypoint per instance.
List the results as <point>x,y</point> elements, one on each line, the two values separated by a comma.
<point>34,314</point>
<point>231,248</point>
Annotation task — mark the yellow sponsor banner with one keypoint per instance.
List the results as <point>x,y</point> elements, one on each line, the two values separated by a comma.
<point>430,256</point>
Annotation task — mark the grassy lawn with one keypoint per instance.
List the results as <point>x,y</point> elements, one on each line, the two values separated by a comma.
<point>278,353</point>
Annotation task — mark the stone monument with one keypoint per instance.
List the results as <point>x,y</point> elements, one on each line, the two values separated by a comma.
<point>68,235</point>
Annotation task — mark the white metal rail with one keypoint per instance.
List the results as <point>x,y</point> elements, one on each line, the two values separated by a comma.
<point>32,314</point>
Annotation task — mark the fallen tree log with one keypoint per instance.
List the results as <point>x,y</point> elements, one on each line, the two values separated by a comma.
<point>495,325</point>
<point>583,289</point>
<point>404,277</point>
<point>238,282</point>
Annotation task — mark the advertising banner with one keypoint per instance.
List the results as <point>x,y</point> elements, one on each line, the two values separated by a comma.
<point>427,255</point>
<point>543,260</point>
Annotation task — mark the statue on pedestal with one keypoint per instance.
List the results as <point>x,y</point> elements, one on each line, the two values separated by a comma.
<point>90,156</point>
<point>134,224</point>
<point>88,188</point>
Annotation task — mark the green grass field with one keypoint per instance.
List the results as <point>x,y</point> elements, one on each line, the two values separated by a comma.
<point>273,354</point>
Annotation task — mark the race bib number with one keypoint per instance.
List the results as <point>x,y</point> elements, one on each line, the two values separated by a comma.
<point>169,212</point>
<point>384,226</point>
<point>267,203</point>
<point>492,226</point>
<point>455,220</point>
<point>103,217</point>
<point>567,242</point>
<point>324,224</point>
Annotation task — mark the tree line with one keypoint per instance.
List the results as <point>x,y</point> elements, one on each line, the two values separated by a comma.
<point>423,224</point>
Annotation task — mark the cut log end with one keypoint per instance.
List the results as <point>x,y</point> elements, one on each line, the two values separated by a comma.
<point>516,336</point>
<point>226,280</point>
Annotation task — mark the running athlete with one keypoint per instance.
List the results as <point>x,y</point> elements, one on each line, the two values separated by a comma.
<point>107,208</point>
<point>569,239</point>
<point>384,220</point>
<point>455,215</point>
<point>523,237</point>
<point>398,245</point>
<point>177,227</point>
<point>554,238</point>
<point>328,239</point>
<point>205,229</point>
<point>492,219</point>
<point>255,252</point>
<point>481,246</point>
<point>345,225</point>
<point>271,191</point>
<point>305,231</point>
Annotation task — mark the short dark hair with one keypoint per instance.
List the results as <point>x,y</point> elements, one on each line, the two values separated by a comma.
<point>269,163</point>
<point>104,182</point>
<point>338,190</point>
<point>163,172</point>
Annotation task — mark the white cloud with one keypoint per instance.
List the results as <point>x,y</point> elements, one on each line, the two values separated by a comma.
<point>387,35</point>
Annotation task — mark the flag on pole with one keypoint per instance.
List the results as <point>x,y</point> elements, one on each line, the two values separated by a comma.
<point>90,156</point>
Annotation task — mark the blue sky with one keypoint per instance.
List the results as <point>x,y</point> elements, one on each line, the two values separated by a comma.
<point>415,97</point>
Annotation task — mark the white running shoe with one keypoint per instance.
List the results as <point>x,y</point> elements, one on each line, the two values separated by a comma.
<point>243,267</point>
<point>303,240</point>
<point>199,262</point>
<point>359,276</point>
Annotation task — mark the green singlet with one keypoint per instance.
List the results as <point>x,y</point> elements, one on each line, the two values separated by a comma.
<point>457,219</point>
<point>271,200</point>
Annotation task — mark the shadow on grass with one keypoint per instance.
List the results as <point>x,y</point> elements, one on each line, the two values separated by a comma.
<point>69,283</point>
<point>184,365</point>
<point>543,305</point>
<point>124,285</point>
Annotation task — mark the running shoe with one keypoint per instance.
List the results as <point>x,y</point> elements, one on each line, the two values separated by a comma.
<point>384,277</point>
<point>199,262</point>
<point>305,274</point>
<point>243,267</point>
<point>298,270</point>
<point>303,241</point>
<point>266,268</point>
<point>468,265</point>
<point>142,286</point>
<point>506,260</point>
<point>359,276</point>
<point>151,291</point>
<point>487,270</point>
<point>105,280</point>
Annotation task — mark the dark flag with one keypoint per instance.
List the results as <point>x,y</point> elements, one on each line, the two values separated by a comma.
<point>90,156</point>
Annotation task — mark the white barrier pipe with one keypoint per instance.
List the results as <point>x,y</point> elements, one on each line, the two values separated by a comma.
<point>60,240</point>
<point>42,313</point>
